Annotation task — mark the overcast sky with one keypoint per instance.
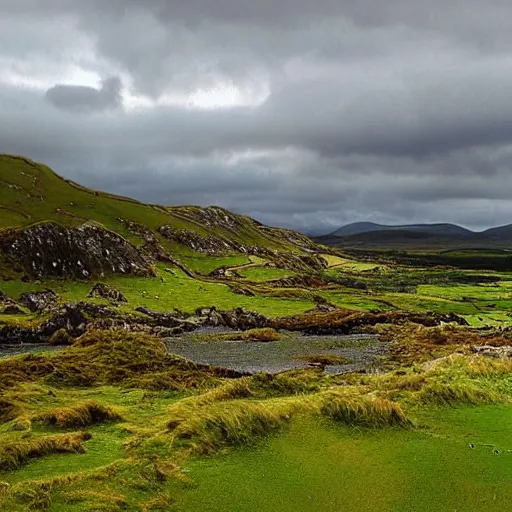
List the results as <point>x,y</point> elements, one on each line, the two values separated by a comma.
<point>302,113</point>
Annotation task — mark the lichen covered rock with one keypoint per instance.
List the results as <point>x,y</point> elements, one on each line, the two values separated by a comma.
<point>107,292</point>
<point>50,250</point>
<point>210,244</point>
<point>39,302</point>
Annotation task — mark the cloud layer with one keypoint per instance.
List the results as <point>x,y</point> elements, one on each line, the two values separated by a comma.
<point>300,113</point>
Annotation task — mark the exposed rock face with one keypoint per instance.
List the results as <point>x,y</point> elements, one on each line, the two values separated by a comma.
<point>107,292</point>
<point>239,318</point>
<point>209,244</point>
<point>152,248</point>
<point>50,250</point>
<point>39,302</point>
<point>292,237</point>
<point>213,217</point>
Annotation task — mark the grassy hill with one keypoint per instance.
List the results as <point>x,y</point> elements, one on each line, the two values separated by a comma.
<point>31,192</point>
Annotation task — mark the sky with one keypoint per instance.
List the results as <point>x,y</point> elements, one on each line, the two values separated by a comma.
<point>307,114</point>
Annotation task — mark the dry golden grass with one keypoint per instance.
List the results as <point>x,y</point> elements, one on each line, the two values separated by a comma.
<point>82,415</point>
<point>264,334</point>
<point>111,357</point>
<point>14,454</point>
<point>365,410</point>
<point>204,428</point>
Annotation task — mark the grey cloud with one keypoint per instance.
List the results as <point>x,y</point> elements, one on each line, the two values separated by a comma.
<point>391,112</point>
<point>77,98</point>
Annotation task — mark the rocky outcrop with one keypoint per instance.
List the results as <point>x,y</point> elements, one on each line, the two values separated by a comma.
<point>50,250</point>
<point>39,302</point>
<point>105,291</point>
<point>339,322</point>
<point>297,262</point>
<point>238,318</point>
<point>151,247</point>
<point>208,244</point>
<point>213,217</point>
<point>74,318</point>
<point>292,237</point>
<point>171,320</point>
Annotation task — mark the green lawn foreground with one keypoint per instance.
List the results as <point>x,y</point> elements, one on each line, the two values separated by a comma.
<point>318,466</point>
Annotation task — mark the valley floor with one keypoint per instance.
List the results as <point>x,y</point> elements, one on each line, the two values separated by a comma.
<point>413,415</point>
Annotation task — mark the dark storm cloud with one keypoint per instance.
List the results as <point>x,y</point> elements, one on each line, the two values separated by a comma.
<point>78,98</point>
<point>393,111</point>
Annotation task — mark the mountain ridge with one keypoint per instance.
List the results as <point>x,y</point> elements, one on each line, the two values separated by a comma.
<point>445,228</point>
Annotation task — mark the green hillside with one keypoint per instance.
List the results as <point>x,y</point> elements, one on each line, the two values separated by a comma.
<point>31,192</point>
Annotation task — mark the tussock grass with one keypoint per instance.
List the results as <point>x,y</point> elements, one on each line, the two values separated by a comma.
<point>457,393</point>
<point>9,410</point>
<point>261,334</point>
<point>365,411</point>
<point>38,494</point>
<point>111,357</point>
<point>260,385</point>
<point>16,453</point>
<point>450,380</point>
<point>96,500</point>
<point>82,415</point>
<point>207,429</point>
<point>229,424</point>
<point>293,382</point>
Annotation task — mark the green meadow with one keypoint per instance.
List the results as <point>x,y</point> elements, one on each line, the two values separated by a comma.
<point>411,413</point>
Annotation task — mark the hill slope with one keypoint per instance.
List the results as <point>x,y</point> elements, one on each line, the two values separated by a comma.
<point>31,193</point>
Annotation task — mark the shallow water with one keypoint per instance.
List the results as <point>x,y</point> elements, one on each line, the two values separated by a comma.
<point>363,351</point>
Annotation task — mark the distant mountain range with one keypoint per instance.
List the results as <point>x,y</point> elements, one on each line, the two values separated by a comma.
<point>418,236</point>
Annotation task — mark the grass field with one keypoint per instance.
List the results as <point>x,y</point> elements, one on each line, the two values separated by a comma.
<point>436,437</point>
<point>167,292</point>
<point>420,419</point>
<point>317,466</point>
